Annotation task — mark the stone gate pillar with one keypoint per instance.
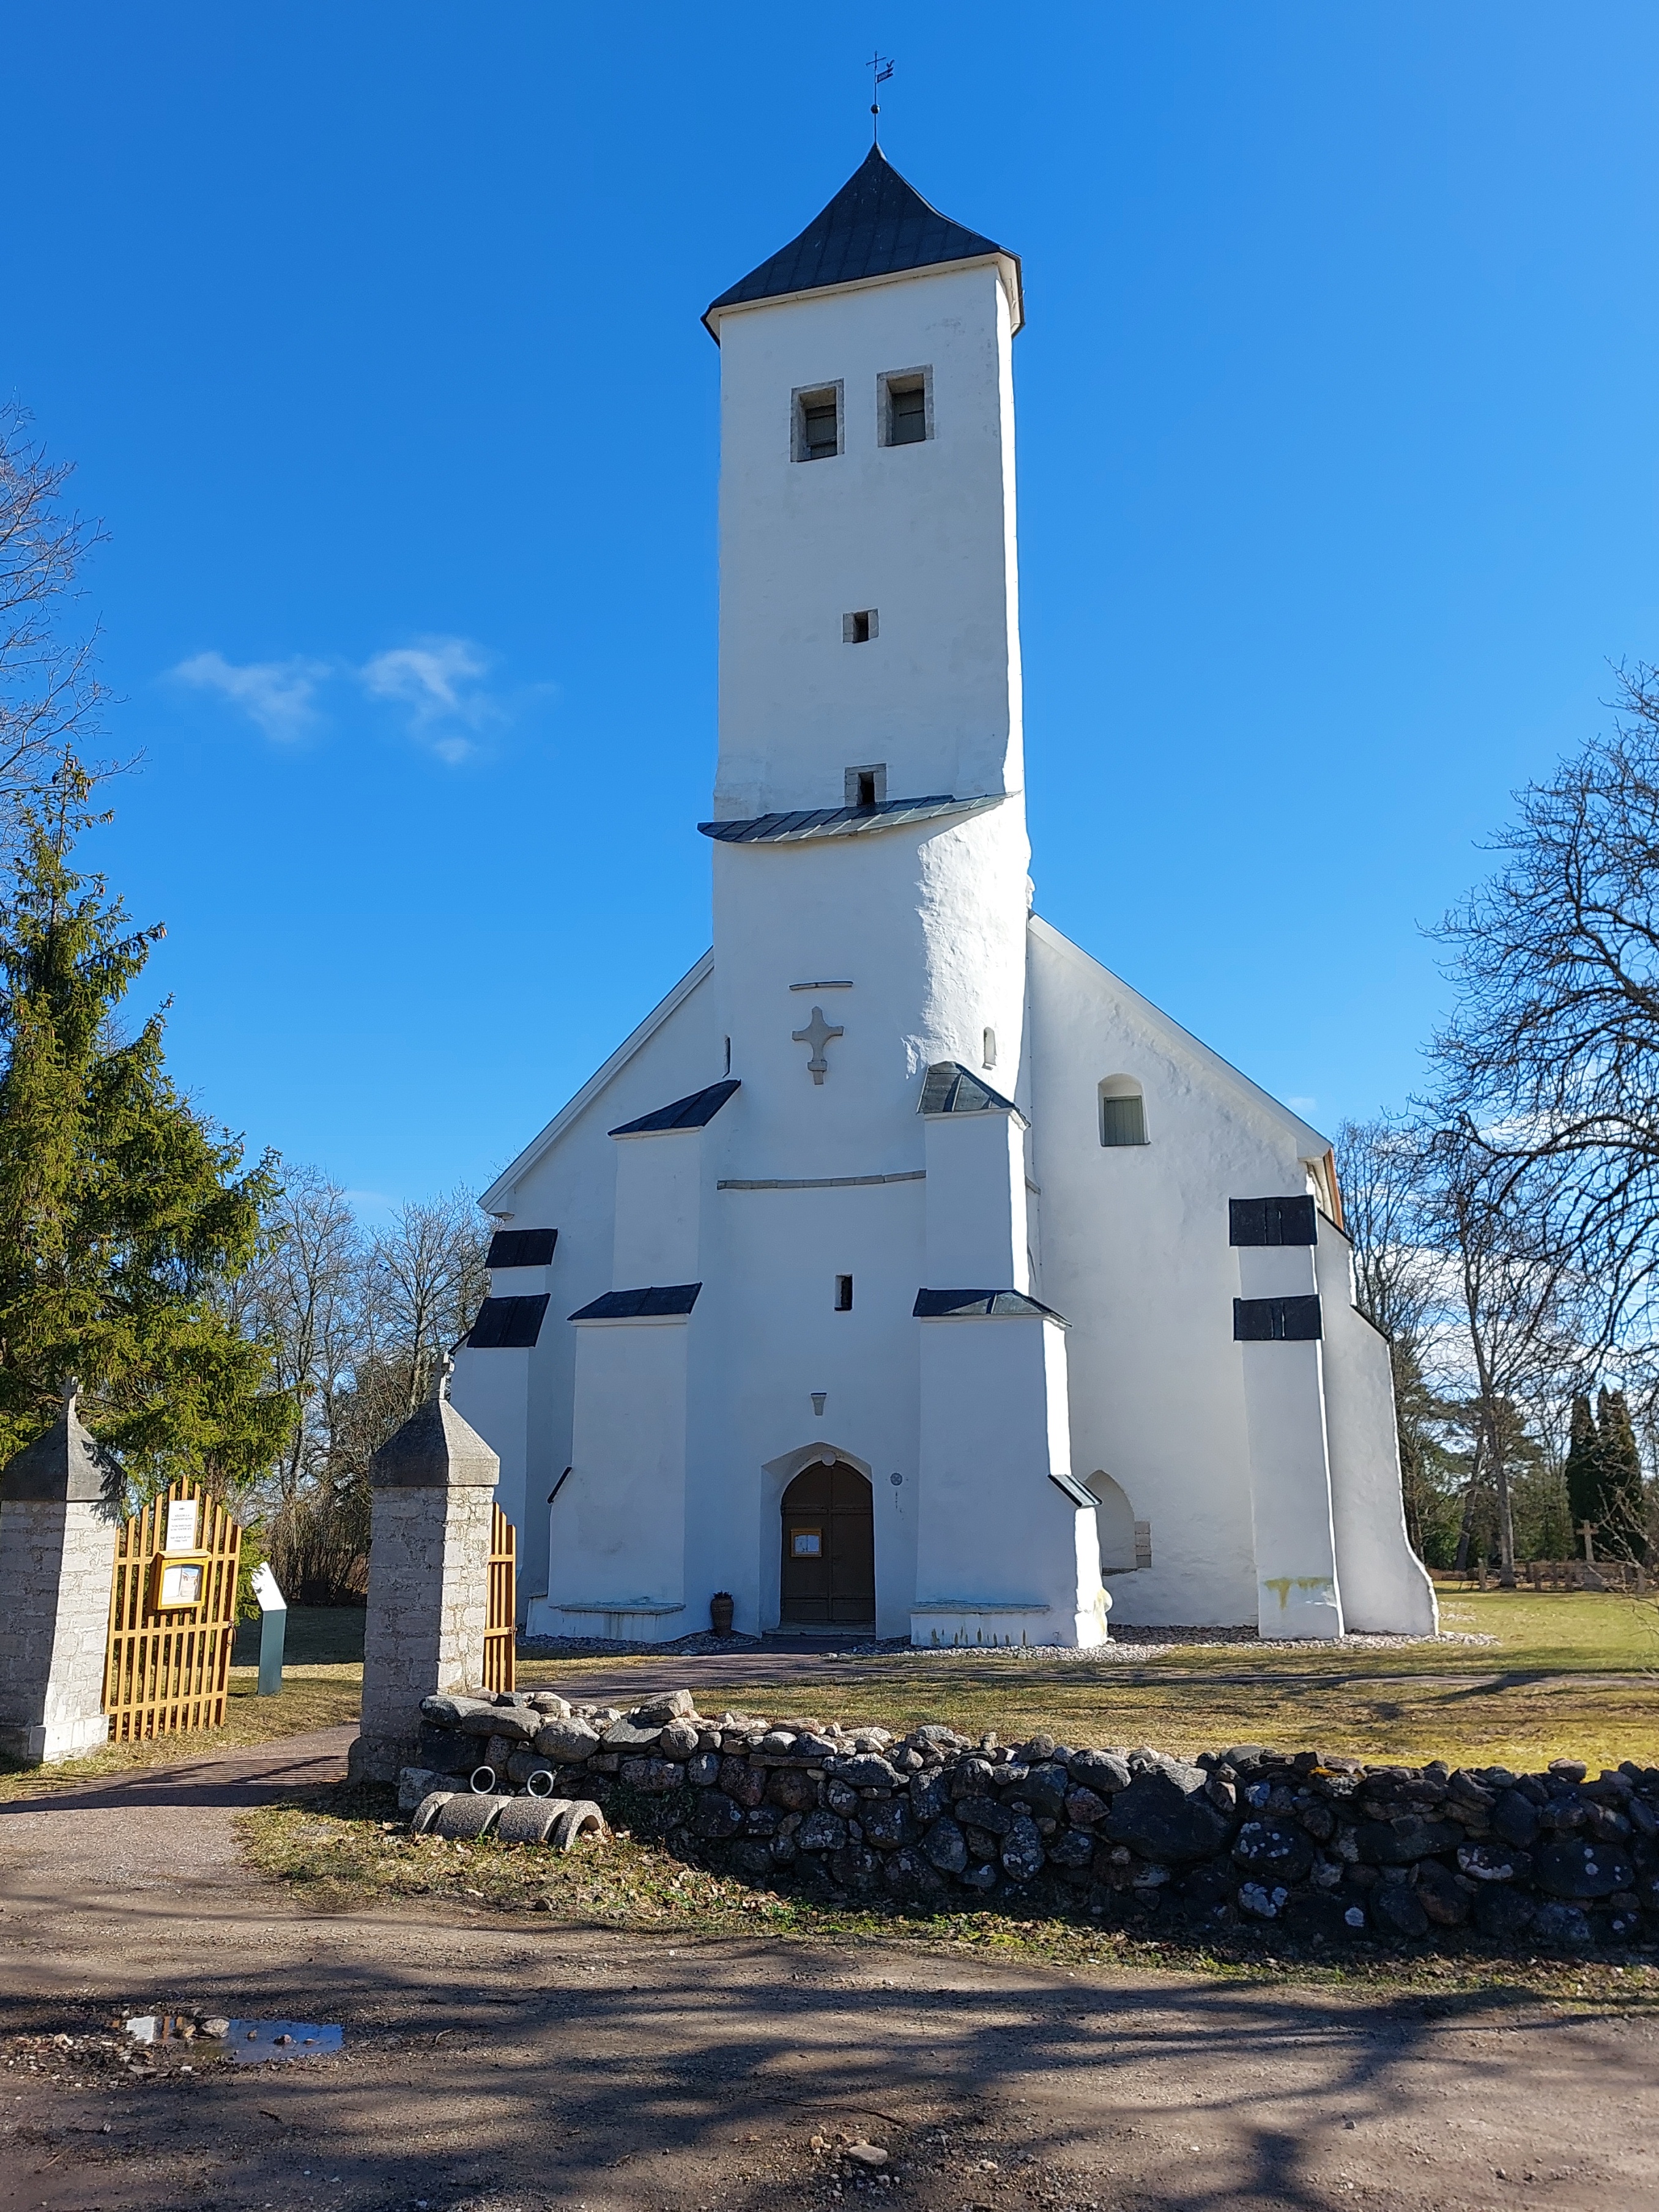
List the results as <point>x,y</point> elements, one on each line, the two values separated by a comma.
<point>62,1503</point>
<point>433,1484</point>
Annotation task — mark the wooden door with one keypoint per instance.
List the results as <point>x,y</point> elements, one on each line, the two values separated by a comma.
<point>828,1579</point>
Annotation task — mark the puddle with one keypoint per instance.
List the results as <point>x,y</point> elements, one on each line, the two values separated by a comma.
<point>249,2042</point>
<point>256,2042</point>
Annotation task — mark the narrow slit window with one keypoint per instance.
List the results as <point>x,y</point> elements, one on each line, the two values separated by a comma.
<point>859,628</point>
<point>865,786</point>
<point>843,1294</point>
<point>988,1058</point>
<point>817,424</point>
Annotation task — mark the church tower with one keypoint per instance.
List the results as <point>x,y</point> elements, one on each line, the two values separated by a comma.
<point>870,886</point>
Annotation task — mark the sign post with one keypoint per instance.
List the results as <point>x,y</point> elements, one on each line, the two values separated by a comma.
<point>273,1630</point>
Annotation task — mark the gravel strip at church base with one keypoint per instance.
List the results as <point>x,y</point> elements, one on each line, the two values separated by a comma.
<point>1132,1647</point>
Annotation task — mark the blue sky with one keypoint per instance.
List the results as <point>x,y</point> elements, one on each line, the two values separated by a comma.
<point>375,332</point>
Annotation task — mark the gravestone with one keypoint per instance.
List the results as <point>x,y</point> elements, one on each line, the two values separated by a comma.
<point>433,1489</point>
<point>62,1503</point>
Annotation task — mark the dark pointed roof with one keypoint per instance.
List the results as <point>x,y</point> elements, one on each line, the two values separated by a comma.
<point>877,225</point>
<point>694,1112</point>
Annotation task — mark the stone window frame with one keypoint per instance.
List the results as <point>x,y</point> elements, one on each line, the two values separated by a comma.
<point>798,403</point>
<point>884,383</point>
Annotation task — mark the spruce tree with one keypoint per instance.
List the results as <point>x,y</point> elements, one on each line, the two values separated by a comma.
<point>1584,1469</point>
<point>123,1212</point>
<point>1621,1519</point>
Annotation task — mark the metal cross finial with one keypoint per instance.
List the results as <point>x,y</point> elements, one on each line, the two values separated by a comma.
<point>818,1033</point>
<point>880,67</point>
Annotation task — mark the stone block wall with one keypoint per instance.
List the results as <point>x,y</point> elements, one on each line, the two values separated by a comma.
<point>1328,1849</point>
<point>57,1563</point>
<point>428,1597</point>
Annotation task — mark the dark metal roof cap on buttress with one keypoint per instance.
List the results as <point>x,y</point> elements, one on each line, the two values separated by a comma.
<point>877,225</point>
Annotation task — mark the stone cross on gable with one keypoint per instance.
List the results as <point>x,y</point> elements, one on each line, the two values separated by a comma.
<point>818,1033</point>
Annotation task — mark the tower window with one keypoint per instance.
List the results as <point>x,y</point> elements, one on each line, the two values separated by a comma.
<point>1122,1111</point>
<point>905,407</point>
<point>859,629</point>
<point>817,423</point>
<point>867,786</point>
<point>843,1294</point>
<point>988,1057</point>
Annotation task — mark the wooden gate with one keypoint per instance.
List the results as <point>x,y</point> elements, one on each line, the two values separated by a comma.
<point>499,1624</point>
<point>172,1615</point>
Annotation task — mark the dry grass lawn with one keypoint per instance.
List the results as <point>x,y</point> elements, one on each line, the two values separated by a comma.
<point>1569,1674</point>
<point>322,1687</point>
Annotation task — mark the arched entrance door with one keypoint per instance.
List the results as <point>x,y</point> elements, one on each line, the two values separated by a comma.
<point>829,1577</point>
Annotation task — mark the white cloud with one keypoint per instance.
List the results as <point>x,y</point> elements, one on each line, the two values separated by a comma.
<point>437,680</point>
<point>1301,1105</point>
<point>279,696</point>
<point>437,685</point>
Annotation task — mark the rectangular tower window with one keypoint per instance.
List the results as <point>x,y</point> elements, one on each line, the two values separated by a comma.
<point>867,786</point>
<point>843,1294</point>
<point>859,629</point>
<point>904,409</point>
<point>817,423</point>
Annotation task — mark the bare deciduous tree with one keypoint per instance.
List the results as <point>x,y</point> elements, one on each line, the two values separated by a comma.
<point>427,1276</point>
<point>50,694</point>
<point>1521,1298</point>
<point>1553,1052</point>
<point>362,1319</point>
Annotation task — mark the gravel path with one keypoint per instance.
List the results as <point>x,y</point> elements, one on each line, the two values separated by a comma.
<point>501,2065</point>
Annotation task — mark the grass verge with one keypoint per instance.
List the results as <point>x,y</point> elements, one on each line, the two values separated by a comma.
<point>310,1698</point>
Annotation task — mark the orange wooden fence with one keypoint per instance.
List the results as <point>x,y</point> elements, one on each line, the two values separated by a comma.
<point>498,1652</point>
<point>173,1612</point>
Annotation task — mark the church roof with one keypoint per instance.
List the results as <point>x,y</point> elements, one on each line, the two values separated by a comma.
<point>656,1302</point>
<point>1002,1305</point>
<point>839,821</point>
<point>694,1112</point>
<point>950,1088</point>
<point>877,225</point>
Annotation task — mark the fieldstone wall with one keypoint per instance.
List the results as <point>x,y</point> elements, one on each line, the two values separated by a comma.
<point>1330,1850</point>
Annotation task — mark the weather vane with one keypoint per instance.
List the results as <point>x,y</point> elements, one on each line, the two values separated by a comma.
<point>880,67</point>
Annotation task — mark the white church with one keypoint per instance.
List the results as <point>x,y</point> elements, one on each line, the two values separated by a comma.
<point>905,1273</point>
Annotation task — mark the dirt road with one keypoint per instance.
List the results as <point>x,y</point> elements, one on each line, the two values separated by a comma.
<point>524,2064</point>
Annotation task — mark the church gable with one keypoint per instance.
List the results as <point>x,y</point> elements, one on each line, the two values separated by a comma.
<point>677,1026</point>
<point>1092,1010</point>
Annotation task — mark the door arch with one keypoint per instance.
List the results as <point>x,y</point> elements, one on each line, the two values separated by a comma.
<point>828,1576</point>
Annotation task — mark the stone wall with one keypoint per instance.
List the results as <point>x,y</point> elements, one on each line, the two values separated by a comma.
<point>57,1561</point>
<point>1329,1850</point>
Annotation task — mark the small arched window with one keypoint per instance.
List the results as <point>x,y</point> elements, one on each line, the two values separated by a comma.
<point>1122,1111</point>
